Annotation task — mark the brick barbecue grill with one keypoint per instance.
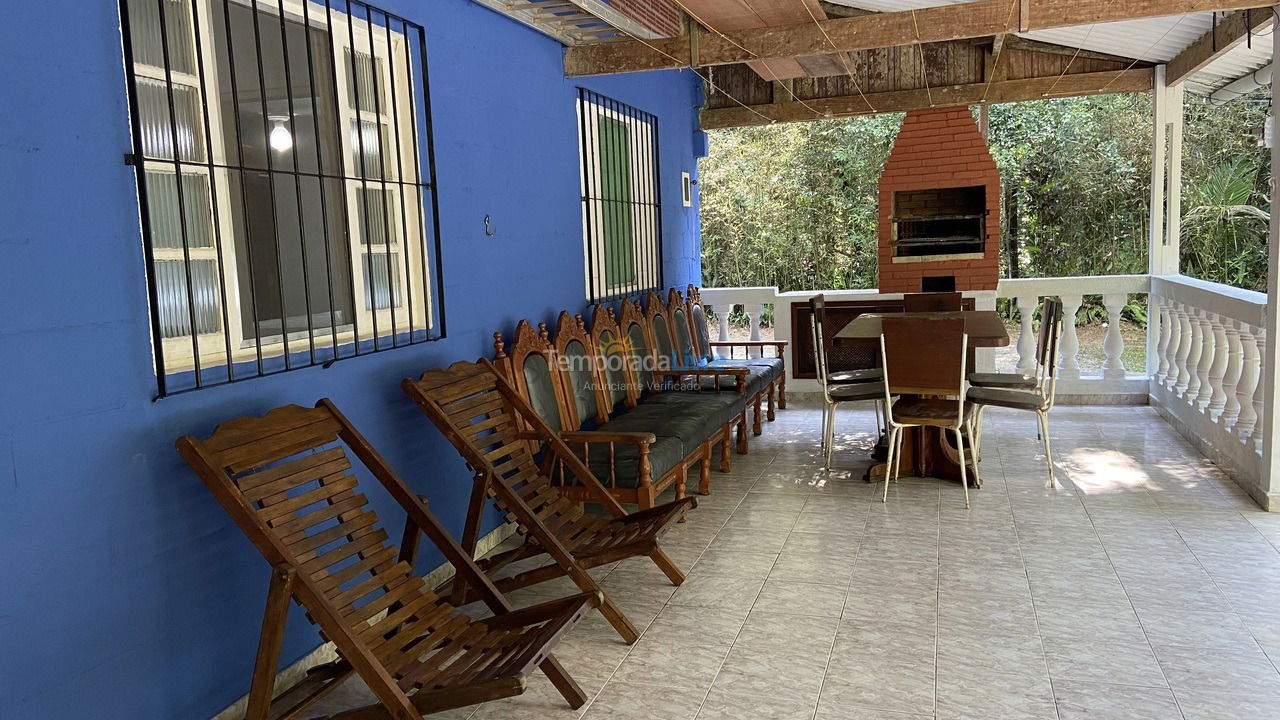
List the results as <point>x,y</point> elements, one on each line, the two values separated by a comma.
<point>939,227</point>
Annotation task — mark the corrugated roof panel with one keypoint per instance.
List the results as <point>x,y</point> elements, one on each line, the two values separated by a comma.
<point>1152,39</point>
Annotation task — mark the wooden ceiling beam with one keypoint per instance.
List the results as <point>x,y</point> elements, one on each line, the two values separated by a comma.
<point>926,25</point>
<point>1229,33</point>
<point>1115,81</point>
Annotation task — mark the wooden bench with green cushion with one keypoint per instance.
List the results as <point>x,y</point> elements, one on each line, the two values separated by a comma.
<point>636,450</point>
<point>774,368</point>
<point>761,379</point>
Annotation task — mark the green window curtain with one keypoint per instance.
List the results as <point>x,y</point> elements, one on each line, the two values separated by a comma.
<point>615,191</point>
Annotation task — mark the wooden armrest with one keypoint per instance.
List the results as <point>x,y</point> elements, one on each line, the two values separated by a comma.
<point>642,515</point>
<point>544,611</point>
<point>749,343</point>
<point>704,371</point>
<point>633,438</point>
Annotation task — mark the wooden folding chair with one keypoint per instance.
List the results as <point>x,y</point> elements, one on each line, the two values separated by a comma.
<point>285,478</point>
<point>480,412</point>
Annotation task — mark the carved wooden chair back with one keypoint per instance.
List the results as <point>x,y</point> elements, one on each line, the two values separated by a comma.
<point>615,355</point>
<point>531,363</point>
<point>661,332</point>
<point>581,371</point>
<point>687,352</point>
<point>638,333</point>
<point>288,482</point>
<point>698,322</point>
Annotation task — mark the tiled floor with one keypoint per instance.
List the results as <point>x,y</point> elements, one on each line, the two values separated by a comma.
<point>1146,586</point>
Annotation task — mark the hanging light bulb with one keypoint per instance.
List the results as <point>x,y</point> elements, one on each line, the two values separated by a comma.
<point>281,139</point>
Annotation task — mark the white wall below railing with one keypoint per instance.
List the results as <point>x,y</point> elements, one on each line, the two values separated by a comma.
<point>1207,378</point>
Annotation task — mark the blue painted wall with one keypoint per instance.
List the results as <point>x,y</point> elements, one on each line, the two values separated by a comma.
<point>126,592</point>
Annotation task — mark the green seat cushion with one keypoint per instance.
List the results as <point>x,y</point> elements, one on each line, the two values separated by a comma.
<point>717,408</point>
<point>689,424</point>
<point>772,365</point>
<point>664,454</point>
<point>758,378</point>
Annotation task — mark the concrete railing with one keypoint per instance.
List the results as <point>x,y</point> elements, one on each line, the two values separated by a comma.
<point>1207,375</point>
<point>1113,382</point>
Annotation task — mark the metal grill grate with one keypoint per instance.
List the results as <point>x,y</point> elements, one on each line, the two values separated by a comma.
<point>621,198</point>
<point>286,182</point>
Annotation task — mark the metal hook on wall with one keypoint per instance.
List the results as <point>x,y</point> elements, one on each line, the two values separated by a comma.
<point>489,229</point>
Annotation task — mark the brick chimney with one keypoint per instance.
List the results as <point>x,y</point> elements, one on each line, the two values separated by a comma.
<point>939,191</point>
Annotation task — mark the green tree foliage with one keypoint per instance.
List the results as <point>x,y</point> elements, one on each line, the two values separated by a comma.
<point>795,205</point>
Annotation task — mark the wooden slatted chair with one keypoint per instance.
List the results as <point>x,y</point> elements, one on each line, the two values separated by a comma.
<point>286,480</point>
<point>482,414</point>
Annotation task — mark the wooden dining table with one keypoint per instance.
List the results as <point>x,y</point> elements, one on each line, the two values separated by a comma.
<point>927,451</point>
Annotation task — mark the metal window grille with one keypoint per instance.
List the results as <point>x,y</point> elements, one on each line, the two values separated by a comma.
<point>621,197</point>
<point>286,183</point>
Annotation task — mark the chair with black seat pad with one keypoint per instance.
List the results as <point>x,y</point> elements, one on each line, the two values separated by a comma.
<point>1019,380</point>
<point>924,364</point>
<point>494,428</point>
<point>1038,398</point>
<point>287,480</point>
<point>835,393</point>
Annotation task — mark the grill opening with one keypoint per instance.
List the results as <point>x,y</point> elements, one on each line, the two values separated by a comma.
<point>940,221</point>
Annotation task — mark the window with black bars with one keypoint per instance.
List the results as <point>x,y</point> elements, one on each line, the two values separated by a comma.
<point>286,183</point>
<point>621,197</point>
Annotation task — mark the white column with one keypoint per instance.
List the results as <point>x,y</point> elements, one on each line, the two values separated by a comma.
<point>1193,355</point>
<point>722,315</point>
<point>1069,366</point>
<point>1159,321</point>
<point>1027,334</point>
<point>1250,371</point>
<point>1175,342</point>
<point>1218,370</point>
<point>753,317</point>
<point>1270,480</point>
<point>1184,349</point>
<point>1231,376</point>
<point>1263,398</point>
<point>1113,344</point>
<point>1203,369</point>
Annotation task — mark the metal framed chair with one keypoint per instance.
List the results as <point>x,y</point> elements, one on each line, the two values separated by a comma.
<point>924,363</point>
<point>1039,398</point>
<point>1018,380</point>
<point>834,393</point>
<point>932,302</point>
<point>818,310</point>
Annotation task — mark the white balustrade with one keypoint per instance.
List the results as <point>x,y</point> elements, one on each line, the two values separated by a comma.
<point>1069,366</point>
<point>1113,345</point>
<point>753,311</point>
<point>1206,372</point>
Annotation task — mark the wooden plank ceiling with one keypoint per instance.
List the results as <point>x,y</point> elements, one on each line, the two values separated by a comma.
<point>729,16</point>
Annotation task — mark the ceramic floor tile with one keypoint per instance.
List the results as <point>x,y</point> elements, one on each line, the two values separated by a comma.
<point>965,695</point>
<point>1083,658</point>
<point>1100,701</point>
<point>624,701</point>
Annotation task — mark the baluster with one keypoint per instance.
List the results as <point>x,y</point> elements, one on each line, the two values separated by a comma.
<point>1218,370</point>
<point>1113,345</point>
<point>1259,396</point>
<point>1196,348</point>
<point>1207,350</point>
<point>1162,337</point>
<point>722,315</point>
<point>753,317</point>
<point>1250,372</point>
<point>1026,334</point>
<point>1175,339</point>
<point>1231,375</point>
<point>1184,350</point>
<point>1069,346</point>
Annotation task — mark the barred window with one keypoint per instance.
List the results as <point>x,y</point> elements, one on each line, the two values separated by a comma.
<point>621,208</point>
<point>286,182</point>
